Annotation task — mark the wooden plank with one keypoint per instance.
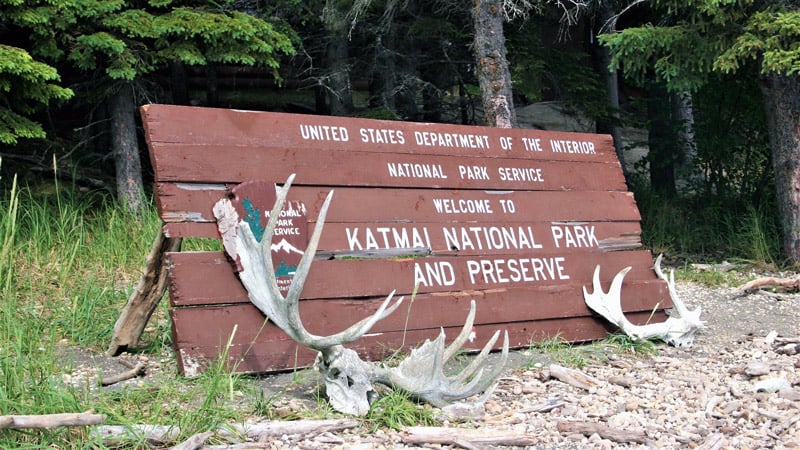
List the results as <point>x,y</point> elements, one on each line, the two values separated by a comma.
<point>192,203</point>
<point>237,129</point>
<point>200,278</point>
<point>458,238</point>
<point>213,164</point>
<point>259,348</point>
<point>432,310</point>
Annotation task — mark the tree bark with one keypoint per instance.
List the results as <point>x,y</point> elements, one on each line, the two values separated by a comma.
<point>340,93</point>
<point>494,76</point>
<point>601,57</point>
<point>124,144</point>
<point>687,175</point>
<point>782,107</point>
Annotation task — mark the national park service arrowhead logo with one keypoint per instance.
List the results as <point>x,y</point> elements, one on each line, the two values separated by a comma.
<point>253,201</point>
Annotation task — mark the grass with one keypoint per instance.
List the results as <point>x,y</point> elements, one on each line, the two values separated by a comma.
<point>555,349</point>
<point>68,263</point>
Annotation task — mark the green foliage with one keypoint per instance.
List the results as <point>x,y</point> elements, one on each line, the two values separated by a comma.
<point>26,85</point>
<point>396,410</point>
<point>679,54</point>
<point>771,36</point>
<point>708,35</point>
<point>622,343</point>
<point>537,69</point>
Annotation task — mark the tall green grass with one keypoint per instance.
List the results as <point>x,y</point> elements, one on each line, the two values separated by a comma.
<point>68,262</point>
<point>710,228</point>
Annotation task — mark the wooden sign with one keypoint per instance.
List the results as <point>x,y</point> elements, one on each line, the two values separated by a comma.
<point>515,219</point>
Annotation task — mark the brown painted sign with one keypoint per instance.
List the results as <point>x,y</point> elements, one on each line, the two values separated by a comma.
<point>515,219</point>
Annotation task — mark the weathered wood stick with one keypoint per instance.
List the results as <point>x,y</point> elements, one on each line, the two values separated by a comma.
<point>145,297</point>
<point>194,442</point>
<point>260,430</point>
<point>128,374</point>
<point>254,431</point>
<point>788,284</point>
<point>242,446</point>
<point>462,436</point>
<point>153,433</point>
<point>573,377</point>
<point>604,431</point>
<point>51,420</point>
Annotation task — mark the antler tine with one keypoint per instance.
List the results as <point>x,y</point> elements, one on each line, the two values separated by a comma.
<point>677,303</point>
<point>462,337</point>
<point>478,360</point>
<point>422,373</point>
<point>285,311</point>
<point>479,381</point>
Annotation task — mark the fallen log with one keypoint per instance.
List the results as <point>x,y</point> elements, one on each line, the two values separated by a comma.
<point>48,421</point>
<point>602,430</point>
<point>785,284</point>
<point>465,437</point>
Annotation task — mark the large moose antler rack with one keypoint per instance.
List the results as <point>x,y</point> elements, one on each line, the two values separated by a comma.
<point>348,379</point>
<point>678,330</point>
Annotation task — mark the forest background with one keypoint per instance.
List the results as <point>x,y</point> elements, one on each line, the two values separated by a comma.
<point>714,83</point>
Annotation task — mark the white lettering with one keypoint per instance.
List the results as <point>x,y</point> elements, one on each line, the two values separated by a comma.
<point>382,136</point>
<point>452,140</point>
<point>462,206</point>
<point>324,133</point>
<point>439,273</point>
<point>490,238</point>
<point>501,271</point>
<point>412,170</point>
<point>520,174</point>
<point>574,235</point>
<point>473,172</point>
<point>387,237</point>
<point>564,146</point>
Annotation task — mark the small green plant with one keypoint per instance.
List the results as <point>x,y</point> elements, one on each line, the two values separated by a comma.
<point>625,344</point>
<point>556,349</point>
<point>395,410</point>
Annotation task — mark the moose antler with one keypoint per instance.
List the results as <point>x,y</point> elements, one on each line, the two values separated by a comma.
<point>678,330</point>
<point>347,378</point>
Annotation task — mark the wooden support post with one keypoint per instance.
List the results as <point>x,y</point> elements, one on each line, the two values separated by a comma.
<point>145,297</point>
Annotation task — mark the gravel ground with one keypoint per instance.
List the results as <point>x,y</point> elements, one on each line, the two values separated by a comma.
<point>733,389</point>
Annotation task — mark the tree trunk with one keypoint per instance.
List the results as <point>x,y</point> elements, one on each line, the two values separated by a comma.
<point>383,79</point>
<point>687,175</point>
<point>661,153</point>
<point>782,106</point>
<point>601,57</point>
<point>494,76</point>
<point>130,188</point>
<point>338,81</point>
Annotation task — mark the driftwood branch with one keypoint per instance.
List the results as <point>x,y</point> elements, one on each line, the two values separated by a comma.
<point>127,375</point>
<point>785,284</point>
<point>252,431</point>
<point>573,377</point>
<point>194,442</point>
<point>604,431</point>
<point>145,297</point>
<point>51,420</point>
<point>465,437</point>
